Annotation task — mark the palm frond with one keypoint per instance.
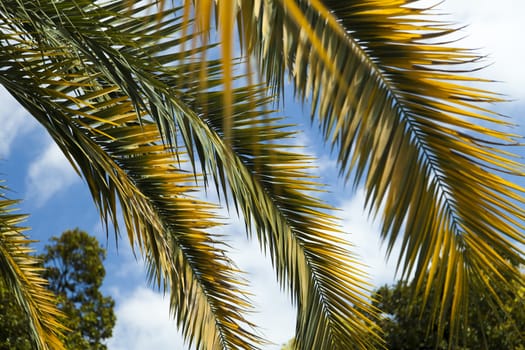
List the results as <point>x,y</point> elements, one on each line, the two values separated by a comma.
<point>394,103</point>
<point>275,193</point>
<point>268,184</point>
<point>395,98</point>
<point>118,148</point>
<point>21,274</point>
<point>397,102</point>
<point>114,79</point>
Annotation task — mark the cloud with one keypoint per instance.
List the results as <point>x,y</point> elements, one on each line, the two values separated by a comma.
<point>143,322</point>
<point>49,174</point>
<point>495,30</point>
<point>363,233</point>
<point>274,314</point>
<point>15,122</point>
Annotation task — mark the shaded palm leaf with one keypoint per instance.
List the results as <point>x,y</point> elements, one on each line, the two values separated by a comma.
<point>395,102</point>
<point>96,82</point>
<point>20,273</point>
<point>125,163</point>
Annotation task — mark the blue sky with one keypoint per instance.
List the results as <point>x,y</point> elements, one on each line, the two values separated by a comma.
<point>58,199</point>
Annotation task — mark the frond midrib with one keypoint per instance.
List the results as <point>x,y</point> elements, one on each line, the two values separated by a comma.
<point>265,189</point>
<point>411,129</point>
<point>436,171</point>
<point>182,248</point>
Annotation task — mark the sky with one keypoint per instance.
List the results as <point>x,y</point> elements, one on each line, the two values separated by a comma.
<point>58,199</point>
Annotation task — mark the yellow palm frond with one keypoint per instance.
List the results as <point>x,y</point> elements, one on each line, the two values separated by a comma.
<point>96,84</point>
<point>113,141</point>
<point>395,97</point>
<point>397,103</point>
<point>20,273</point>
<point>270,185</point>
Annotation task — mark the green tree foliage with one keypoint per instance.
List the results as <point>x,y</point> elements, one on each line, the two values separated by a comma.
<point>75,272</point>
<point>289,345</point>
<point>408,322</point>
<point>14,332</point>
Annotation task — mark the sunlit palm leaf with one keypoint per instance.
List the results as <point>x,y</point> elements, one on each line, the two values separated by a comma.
<point>269,183</point>
<point>293,226</point>
<point>271,189</point>
<point>392,97</point>
<point>123,160</point>
<point>387,99</point>
<point>395,103</point>
<point>20,273</point>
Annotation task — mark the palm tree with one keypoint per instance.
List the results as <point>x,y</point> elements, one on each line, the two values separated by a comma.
<point>133,96</point>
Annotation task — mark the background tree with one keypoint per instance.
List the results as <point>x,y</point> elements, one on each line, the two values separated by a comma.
<point>289,345</point>
<point>75,273</point>
<point>408,322</point>
<point>14,332</point>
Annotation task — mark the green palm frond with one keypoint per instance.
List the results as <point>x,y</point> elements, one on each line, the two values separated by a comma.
<point>396,102</point>
<point>127,94</point>
<point>112,140</point>
<point>395,99</point>
<point>20,273</point>
<point>269,183</point>
<point>97,81</point>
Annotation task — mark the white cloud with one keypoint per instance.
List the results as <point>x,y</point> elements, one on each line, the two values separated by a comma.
<point>274,314</point>
<point>50,173</point>
<point>143,322</point>
<point>15,122</point>
<point>494,28</point>
<point>363,233</point>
